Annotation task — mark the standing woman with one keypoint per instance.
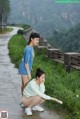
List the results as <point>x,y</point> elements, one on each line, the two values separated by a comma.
<point>27,60</point>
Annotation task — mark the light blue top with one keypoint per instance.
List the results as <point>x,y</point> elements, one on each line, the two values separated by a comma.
<point>28,56</point>
<point>33,89</point>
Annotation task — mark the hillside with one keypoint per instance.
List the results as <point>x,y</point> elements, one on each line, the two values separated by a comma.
<point>68,40</point>
<point>44,15</point>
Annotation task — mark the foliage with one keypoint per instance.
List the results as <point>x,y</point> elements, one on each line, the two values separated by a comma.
<point>68,40</point>
<point>24,26</point>
<point>16,46</point>
<point>60,84</point>
<point>4,12</point>
<point>48,16</point>
<point>20,32</point>
<point>5,30</point>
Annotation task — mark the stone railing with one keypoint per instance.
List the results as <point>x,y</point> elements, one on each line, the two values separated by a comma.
<point>69,59</point>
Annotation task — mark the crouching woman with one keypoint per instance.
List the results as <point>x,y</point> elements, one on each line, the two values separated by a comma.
<point>33,94</point>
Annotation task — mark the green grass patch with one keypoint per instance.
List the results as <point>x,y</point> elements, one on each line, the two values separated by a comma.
<point>16,46</point>
<point>5,30</point>
<point>24,26</point>
<point>60,84</point>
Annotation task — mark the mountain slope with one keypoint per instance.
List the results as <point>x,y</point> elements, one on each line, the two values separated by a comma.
<point>44,15</point>
<point>67,41</point>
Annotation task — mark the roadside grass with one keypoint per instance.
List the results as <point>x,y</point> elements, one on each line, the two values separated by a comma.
<point>24,26</point>
<point>59,84</point>
<point>16,46</point>
<point>5,30</point>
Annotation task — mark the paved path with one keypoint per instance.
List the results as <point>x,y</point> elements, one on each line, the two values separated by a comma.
<point>10,81</point>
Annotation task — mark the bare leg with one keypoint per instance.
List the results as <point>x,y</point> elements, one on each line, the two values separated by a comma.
<point>31,101</point>
<point>42,101</point>
<point>24,82</point>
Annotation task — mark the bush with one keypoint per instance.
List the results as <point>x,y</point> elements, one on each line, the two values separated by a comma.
<point>16,47</point>
<point>20,32</point>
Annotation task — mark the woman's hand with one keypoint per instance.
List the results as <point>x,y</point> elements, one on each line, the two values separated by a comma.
<point>58,101</point>
<point>29,76</point>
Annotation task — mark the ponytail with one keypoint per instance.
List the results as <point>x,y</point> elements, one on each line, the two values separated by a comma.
<point>33,35</point>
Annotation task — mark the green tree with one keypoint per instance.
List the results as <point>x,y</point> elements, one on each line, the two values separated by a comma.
<point>67,41</point>
<point>4,12</point>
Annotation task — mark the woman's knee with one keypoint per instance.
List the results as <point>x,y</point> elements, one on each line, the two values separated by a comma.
<point>38,98</point>
<point>25,101</point>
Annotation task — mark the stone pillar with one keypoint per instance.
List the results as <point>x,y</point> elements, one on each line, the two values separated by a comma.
<point>53,53</point>
<point>68,60</point>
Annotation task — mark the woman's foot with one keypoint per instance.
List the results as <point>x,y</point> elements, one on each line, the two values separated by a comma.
<point>37,108</point>
<point>28,111</point>
<point>22,105</point>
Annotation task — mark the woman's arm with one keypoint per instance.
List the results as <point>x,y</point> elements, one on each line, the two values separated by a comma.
<point>44,96</point>
<point>27,57</point>
<point>27,69</point>
<point>58,101</point>
<point>42,88</point>
<point>39,93</point>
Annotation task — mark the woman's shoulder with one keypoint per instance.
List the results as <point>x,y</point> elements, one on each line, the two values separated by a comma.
<point>32,82</point>
<point>27,48</point>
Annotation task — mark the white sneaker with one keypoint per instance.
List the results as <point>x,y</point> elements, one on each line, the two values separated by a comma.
<point>33,108</point>
<point>28,111</point>
<point>22,105</point>
<point>37,108</point>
